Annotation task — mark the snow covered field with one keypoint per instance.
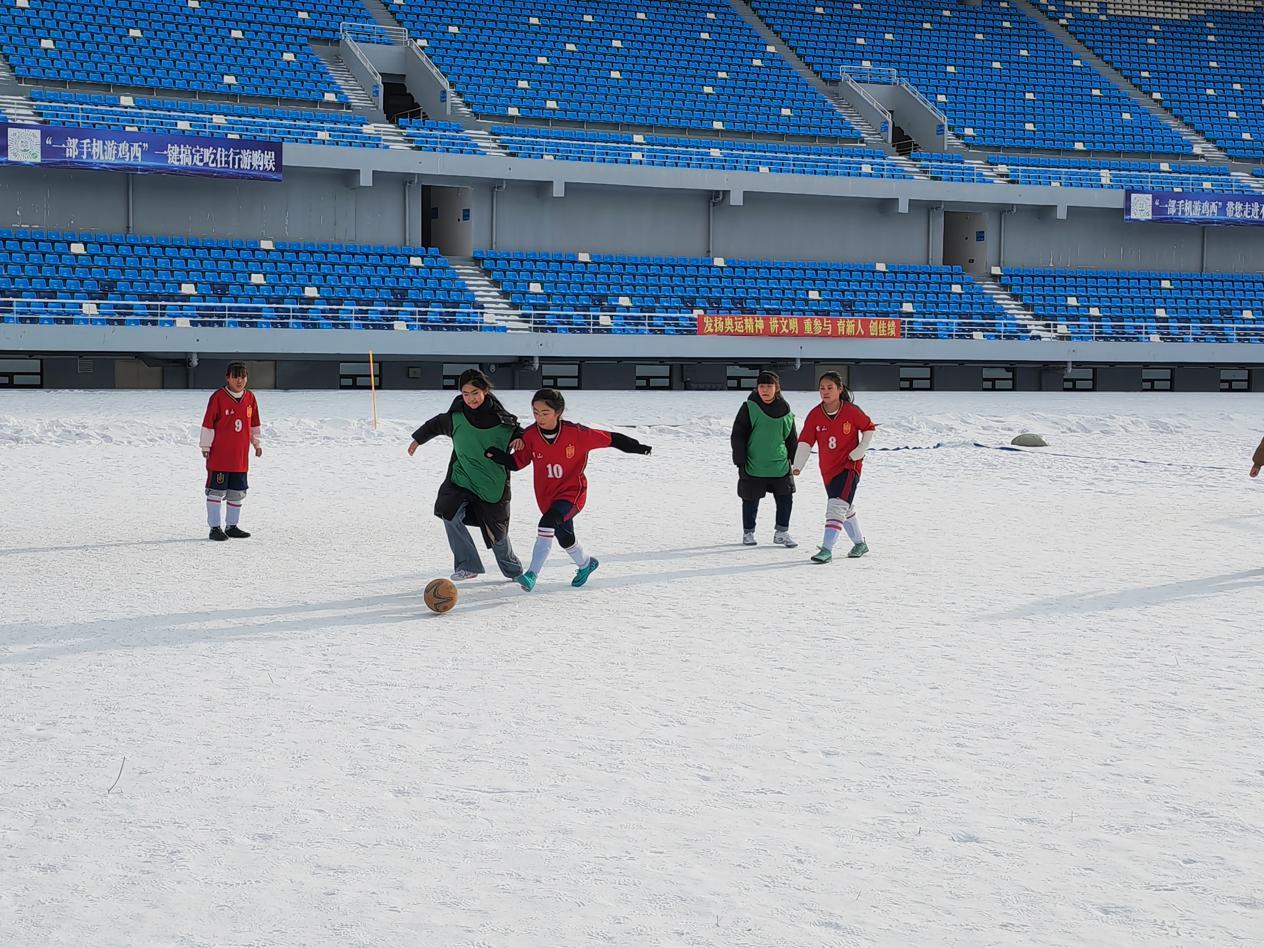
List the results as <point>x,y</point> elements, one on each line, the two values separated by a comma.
<point>1031,717</point>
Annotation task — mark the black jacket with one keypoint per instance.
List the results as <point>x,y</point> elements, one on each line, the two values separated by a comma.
<point>491,519</point>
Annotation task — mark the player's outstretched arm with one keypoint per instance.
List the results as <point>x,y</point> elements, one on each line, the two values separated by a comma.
<point>438,425</point>
<point>1257,460</point>
<point>621,442</point>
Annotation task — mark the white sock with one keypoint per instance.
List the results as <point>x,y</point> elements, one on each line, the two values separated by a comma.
<point>543,545</point>
<point>212,512</point>
<point>852,526</point>
<point>832,529</point>
<point>233,515</point>
<point>578,555</point>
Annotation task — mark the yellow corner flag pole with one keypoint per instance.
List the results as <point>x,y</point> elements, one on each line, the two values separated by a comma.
<point>373,388</point>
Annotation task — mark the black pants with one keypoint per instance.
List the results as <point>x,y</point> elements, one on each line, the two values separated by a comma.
<point>750,509</point>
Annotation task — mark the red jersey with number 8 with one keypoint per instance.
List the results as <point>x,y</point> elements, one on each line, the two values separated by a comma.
<point>232,425</point>
<point>559,464</point>
<point>835,438</point>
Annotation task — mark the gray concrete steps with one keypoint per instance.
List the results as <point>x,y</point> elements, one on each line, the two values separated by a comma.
<point>1016,309</point>
<point>496,306</point>
<point>356,94</point>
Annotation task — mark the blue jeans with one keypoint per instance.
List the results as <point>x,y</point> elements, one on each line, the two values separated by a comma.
<point>465,552</point>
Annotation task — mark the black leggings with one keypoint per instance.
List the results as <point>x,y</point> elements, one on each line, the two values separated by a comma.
<point>750,508</point>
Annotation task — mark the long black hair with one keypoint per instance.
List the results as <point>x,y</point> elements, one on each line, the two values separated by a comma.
<point>551,397</point>
<point>837,380</point>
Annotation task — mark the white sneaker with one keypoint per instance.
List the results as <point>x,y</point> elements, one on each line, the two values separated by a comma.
<point>748,538</point>
<point>782,538</point>
<point>463,574</point>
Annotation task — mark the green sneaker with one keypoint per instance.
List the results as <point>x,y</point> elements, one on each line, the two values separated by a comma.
<point>581,576</point>
<point>857,551</point>
<point>526,580</point>
<point>823,556</point>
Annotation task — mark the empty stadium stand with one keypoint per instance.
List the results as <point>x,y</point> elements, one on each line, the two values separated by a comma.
<point>166,116</point>
<point>1205,61</point>
<point>446,137</point>
<point>952,167</point>
<point>683,64</point>
<point>1000,77</point>
<point>665,294</point>
<point>243,47</point>
<point>1121,175</point>
<point>144,280</point>
<point>668,152</point>
<point>1140,306</point>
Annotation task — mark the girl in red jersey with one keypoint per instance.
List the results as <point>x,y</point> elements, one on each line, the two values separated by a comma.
<point>230,429</point>
<point>843,433</point>
<point>559,450</point>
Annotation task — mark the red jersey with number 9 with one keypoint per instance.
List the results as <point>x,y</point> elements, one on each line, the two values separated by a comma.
<point>835,438</point>
<point>559,465</point>
<point>230,421</point>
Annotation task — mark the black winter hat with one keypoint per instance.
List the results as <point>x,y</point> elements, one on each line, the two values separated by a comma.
<point>768,378</point>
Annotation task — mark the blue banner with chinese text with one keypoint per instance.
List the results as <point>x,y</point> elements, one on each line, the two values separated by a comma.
<point>1198,207</point>
<point>114,150</point>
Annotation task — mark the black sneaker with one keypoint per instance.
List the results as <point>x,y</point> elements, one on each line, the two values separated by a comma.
<point>236,532</point>
<point>217,533</point>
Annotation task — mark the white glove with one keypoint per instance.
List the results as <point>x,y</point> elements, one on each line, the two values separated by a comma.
<point>858,452</point>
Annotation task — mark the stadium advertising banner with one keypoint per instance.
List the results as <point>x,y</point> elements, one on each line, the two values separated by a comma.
<point>1177,207</point>
<point>111,150</point>
<point>818,326</point>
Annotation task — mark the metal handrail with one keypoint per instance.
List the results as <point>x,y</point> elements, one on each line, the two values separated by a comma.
<point>374,33</point>
<point>182,314</point>
<point>885,75</point>
<point>438,75</point>
<point>367,63</point>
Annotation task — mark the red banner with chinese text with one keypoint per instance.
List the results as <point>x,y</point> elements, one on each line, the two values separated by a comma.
<point>813,326</point>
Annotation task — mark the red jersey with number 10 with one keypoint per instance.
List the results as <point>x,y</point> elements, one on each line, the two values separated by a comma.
<point>559,465</point>
<point>230,425</point>
<point>835,438</point>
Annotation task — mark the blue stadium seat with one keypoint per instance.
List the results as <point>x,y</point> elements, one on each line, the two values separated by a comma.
<point>1132,306</point>
<point>1000,77</point>
<point>247,47</point>
<point>216,119</point>
<point>1206,63</point>
<point>637,150</point>
<point>685,64</point>
<point>155,280</point>
<point>636,295</point>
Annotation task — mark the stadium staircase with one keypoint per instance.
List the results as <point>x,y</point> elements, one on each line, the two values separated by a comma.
<point>356,94</point>
<point>381,13</point>
<point>873,139</point>
<point>496,306</point>
<point>1021,314</point>
<point>1198,142</point>
<point>487,142</point>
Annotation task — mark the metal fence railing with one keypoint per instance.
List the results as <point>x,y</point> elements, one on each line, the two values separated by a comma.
<point>408,317</point>
<point>374,33</point>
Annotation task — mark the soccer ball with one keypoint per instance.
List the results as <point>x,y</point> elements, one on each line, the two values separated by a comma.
<point>440,595</point>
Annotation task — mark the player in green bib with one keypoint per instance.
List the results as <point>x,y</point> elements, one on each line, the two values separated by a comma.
<point>764,440</point>
<point>476,490</point>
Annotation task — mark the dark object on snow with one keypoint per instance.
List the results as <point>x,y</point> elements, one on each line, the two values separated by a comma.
<point>1029,440</point>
